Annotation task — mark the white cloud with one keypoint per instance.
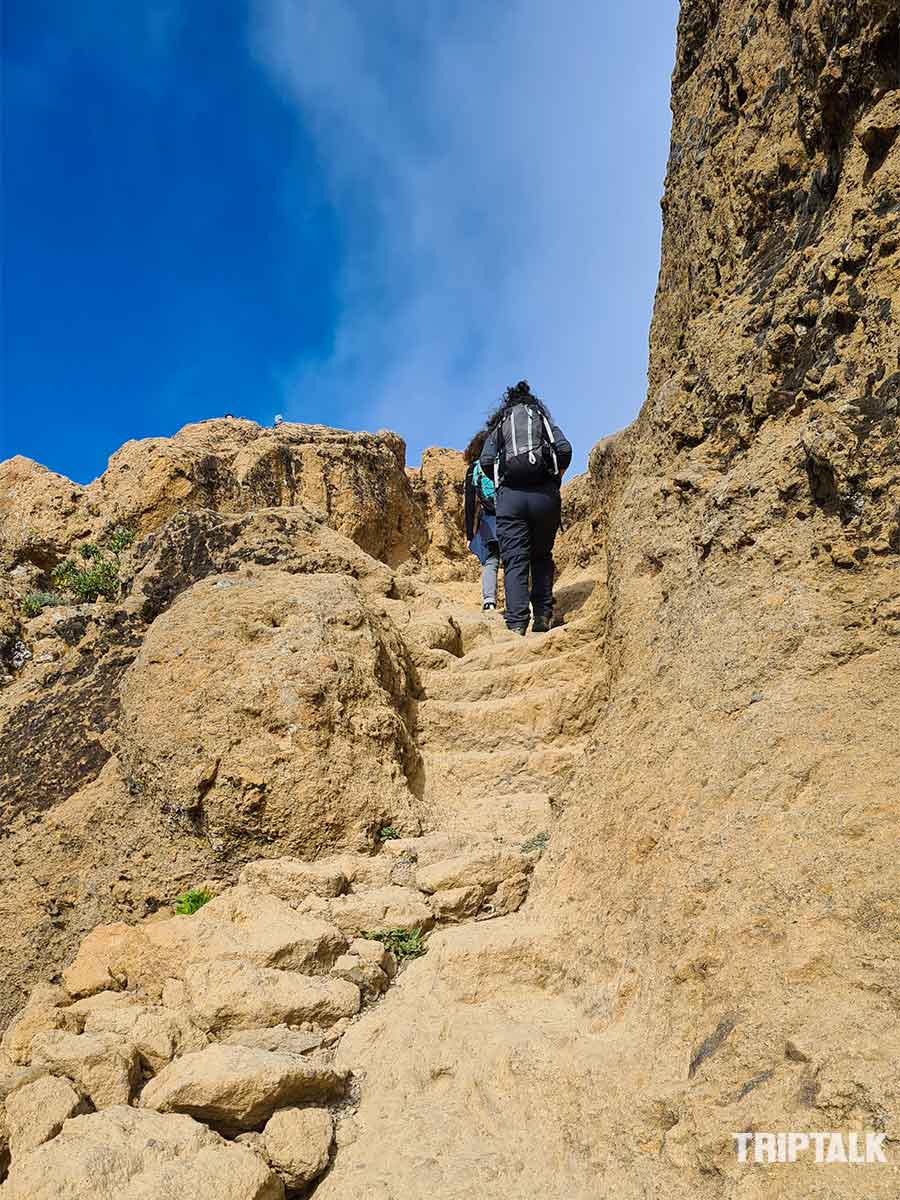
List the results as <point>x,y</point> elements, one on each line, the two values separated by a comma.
<point>495,170</point>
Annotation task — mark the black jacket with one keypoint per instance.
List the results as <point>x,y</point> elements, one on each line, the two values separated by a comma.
<point>561,445</point>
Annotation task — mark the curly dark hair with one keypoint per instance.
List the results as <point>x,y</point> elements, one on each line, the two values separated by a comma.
<point>519,393</point>
<point>472,452</point>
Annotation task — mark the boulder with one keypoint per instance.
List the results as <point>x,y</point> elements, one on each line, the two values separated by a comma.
<point>291,879</point>
<point>225,996</point>
<point>156,1033</point>
<point>457,904</point>
<point>89,972</point>
<point>368,976</point>
<point>389,907</point>
<point>509,896</point>
<point>280,1040</point>
<point>238,924</point>
<point>34,1019</point>
<point>237,1087</point>
<point>375,952</point>
<point>135,1154</point>
<point>103,1065</point>
<point>297,1143</point>
<point>36,1112</point>
<point>485,869</point>
<point>12,1078</point>
<point>269,710</point>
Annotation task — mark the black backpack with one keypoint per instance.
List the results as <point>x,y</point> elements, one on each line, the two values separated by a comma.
<point>526,453</point>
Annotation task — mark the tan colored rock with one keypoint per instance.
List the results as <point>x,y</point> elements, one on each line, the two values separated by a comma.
<point>484,869</point>
<point>297,1143</point>
<point>241,923</point>
<point>142,1155</point>
<point>89,972</point>
<point>36,1018</point>
<point>368,977</point>
<point>280,1039</point>
<point>380,908</point>
<point>226,996</point>
<point>104,1066</point>
<point>238,1087</point>
<point>36,1112</point>
<point>374,952</point>
<point>509,896</point>
<point>457,904</point>
<point>291,879</point>
<point>40,513</point>
<point>12,1078</point>
<point>157,1034</point>
<point>273,707</point>
<point>437,485</point>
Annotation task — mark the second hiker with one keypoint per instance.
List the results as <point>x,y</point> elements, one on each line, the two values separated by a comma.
<point>481,521</point>
<point>526,455</point>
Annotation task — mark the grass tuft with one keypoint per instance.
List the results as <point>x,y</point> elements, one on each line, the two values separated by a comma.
<point>403,943</point>
<point>192,900</point>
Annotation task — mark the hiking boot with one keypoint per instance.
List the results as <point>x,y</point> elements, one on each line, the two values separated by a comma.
<point>489,606</point>
<point>519,629</point>
<point>541,624</point>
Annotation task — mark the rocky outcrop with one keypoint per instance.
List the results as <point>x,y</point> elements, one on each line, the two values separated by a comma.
<point>437,485</point>
<point>266,710</point>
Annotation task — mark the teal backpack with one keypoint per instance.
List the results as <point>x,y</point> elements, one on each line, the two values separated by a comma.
<point>484,487</point>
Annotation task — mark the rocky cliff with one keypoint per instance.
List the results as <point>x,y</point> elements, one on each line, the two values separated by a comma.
<point>651,856</point>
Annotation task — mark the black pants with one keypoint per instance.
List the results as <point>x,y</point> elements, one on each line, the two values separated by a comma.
<point>527,521</point>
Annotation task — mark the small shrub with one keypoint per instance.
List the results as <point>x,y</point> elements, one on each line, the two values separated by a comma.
<point>538,842</point>
<point>100,574</point>
<point>36,602</point>
<point>120,539</point>
<point>387,833</point>
<point>191,900</point>
<point>403,943</point>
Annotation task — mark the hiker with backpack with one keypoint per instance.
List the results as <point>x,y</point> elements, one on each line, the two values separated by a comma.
<point>526,455</point>
<point>481,521</point>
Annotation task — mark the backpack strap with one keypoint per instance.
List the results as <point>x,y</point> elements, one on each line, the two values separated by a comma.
<point>552,442</point>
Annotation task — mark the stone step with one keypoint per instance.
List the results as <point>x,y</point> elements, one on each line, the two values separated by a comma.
<point>513,816</point>
<point>456,779</point>
<point>498,679</point>
<point>527,719</point>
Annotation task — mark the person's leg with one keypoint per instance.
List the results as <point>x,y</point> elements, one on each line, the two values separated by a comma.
<point>489,575</point>
<point>544,513</point>
<point>515,549</point>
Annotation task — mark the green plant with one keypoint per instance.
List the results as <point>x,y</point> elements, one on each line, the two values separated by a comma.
<point>403,943</point>
<point>538,842</point>
<point>120,539</point>
<point>36,602</point>
<point>188,902</point>
<point>387,833</point>
<point>100,574</point>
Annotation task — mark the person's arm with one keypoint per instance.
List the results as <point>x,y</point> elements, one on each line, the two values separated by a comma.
<point>489,455</point>
<point>563,448</point>
<point>469,492</point>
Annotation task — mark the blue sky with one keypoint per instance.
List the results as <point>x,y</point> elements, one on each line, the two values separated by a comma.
<point>362,214</point>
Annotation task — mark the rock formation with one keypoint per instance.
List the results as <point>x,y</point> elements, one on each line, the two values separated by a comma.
<point>650,857</point>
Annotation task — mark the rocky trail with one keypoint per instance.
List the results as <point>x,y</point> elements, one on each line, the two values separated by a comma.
<point>187,1053</point>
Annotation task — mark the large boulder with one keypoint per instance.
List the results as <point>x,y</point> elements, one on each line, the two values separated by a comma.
<point>267,710</point>
<point>297,1143</point>
<point>238,1087</point>
<point>135,1154</point>
<point>222,996</point>
<point>36,1112</point>
<point>103,1065</point>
